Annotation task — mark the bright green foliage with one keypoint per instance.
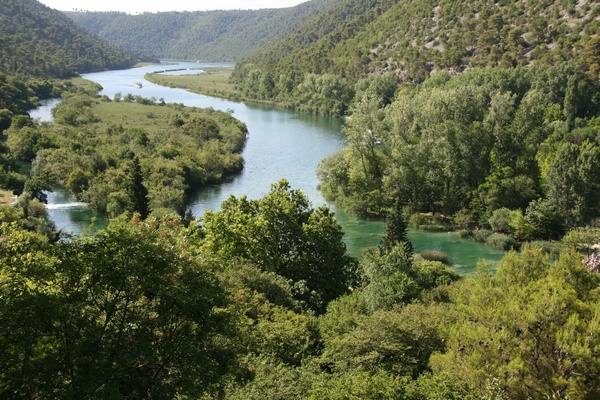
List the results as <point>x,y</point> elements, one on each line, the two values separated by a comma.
<point>178,149</point>
<point>122,314</point>
<point>481,141</point>
<point>394,277</point>
<point>283,234</point>
<point>529,332</point>
<point>582,238</point>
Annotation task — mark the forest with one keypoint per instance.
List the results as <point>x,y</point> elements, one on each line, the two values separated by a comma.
<point>318,65</point>
<point>36,41</point>
<point>260,299</point>
<point>208,36</point>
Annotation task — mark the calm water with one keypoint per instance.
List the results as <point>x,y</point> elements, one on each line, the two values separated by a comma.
<point>281,144</point>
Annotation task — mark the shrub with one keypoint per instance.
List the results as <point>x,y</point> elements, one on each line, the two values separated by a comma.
<point>553,249</point>
<point>417,220</point>
<point>435,255</point>
<point>500,220</point>
<point>502,241</point>
<point>433,228</point>
<point>481,235</point>
<point>465,234</point>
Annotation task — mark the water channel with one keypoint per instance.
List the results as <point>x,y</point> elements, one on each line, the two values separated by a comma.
<point>281,144</point>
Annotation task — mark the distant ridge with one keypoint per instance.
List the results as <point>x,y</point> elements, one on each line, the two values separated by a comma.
<point>224,36</point>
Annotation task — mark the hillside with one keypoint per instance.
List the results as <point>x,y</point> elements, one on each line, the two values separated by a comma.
<point>352,39</point>
<point>204,35</point>
<point>38,41</point>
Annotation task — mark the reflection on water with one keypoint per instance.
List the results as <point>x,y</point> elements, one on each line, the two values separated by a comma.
<point>281,144</point>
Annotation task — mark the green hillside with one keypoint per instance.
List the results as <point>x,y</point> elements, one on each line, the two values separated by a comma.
<point>38,41</point>
<point>351,39</point>
<point>207,35</point>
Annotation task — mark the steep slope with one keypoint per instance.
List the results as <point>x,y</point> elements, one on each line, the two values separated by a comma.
<point>38,41</point>
<point>207,36</point>
<point>411,38</point>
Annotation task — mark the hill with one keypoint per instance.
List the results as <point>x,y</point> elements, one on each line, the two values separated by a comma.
<point>38,41</point>
<point>207,35</point>
<point>351,39</point>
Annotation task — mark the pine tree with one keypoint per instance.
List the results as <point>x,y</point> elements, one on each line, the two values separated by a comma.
<point>138,194</point>
<point>395,231</point>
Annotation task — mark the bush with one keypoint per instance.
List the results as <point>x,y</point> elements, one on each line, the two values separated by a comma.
<point>502,241</point>
<point>500,220</point>
<point>481,235</point>
<point>435,255</point>
<point>553,249</point>
<point>433,228</point>
<point>465,234</point>
<point>417,220</point>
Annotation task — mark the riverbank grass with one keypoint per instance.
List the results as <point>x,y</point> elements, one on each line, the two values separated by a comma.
<point>212,81</point>
<point>85,86</point>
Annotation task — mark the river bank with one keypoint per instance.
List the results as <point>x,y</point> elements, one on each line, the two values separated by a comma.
<point>281,144</point>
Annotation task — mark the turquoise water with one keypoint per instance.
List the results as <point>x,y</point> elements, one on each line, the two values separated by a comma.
<point>281,144</point>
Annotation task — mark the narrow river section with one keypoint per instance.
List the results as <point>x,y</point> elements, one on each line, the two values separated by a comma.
<point>281,144</point>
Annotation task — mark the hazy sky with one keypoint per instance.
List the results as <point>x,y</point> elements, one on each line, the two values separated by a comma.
<point>133,6</point>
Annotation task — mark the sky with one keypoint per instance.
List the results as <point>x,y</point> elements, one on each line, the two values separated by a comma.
<point>135,6</point>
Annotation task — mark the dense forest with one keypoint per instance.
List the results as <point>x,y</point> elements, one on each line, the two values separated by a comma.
<point>38,41</point>
<point>318,65</point>
<point>224,35</point>
<point>515,149</point>
<point>260,298</point>
<point>164,149</point>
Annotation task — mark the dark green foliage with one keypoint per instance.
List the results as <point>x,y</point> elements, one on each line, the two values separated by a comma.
<point>138,194</point>
<point>483,141</point>
<point>117,315</point>
<point>41,42</point>
<point>395,230</point>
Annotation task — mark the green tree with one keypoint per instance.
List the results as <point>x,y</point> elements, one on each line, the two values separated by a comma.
<point>122,314</point>
<point>395,230</point>
<point>283,234</point>
<point>137,192</point>
<point>528,332</point>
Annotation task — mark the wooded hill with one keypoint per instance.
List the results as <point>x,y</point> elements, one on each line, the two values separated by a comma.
<point>38,41</point>
<point>354,38</point>
<point>202,35</point>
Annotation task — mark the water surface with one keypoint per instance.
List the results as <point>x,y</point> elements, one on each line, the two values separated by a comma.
<point>281,144</point>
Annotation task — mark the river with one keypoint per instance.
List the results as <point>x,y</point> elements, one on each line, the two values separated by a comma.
<point>281,144</point>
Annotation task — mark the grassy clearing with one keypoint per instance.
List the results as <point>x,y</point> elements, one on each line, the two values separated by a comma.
<point>213,82</point>
<point>152,118</point>
<point>85,86</point>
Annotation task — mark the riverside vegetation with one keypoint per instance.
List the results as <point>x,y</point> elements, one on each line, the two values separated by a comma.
<point>260,298</point>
